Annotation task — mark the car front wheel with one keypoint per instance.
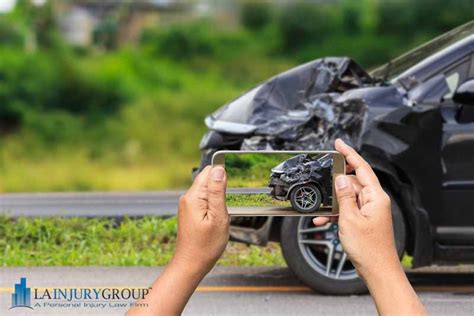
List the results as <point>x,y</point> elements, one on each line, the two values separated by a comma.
<point>305,198</point>
<point>317,258</point>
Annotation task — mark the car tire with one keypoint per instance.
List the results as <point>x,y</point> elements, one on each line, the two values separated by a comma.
<point>312,189</point>
<point>307,260</point>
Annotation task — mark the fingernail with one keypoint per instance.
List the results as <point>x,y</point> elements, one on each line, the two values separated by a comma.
<point>341,182</point>
<point>217,173</point>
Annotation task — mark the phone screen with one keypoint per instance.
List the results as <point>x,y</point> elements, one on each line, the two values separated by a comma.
<point>281,183</point>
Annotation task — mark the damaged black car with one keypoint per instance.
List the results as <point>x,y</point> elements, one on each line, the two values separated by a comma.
<point>412,119</point>
<point>305,180</point>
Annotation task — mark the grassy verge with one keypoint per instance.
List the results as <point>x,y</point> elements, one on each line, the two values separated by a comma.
<point>90,242</point>
<point>104,242</point>
<point>254,200</point>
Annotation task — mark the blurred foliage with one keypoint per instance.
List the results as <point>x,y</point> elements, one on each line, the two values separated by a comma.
<point>11,35</point>
<point>112,116</point>
<point>104,33</point>
<point>256,15</point>
<point>251,170</point>
<point>199,39</point>
<point>304,23</point>
<point>43,82</point>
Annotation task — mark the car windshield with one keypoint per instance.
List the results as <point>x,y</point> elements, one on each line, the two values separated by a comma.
<point>398,66</point>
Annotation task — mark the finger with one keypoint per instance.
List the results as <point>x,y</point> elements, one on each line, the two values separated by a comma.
<point>360,199</point>
<point>200,183</point>
<point>364,172</point>
<point>374,194</point>
<point>320,221</point>
<point>346,197</point>
<point>355,183</point>
<point>216,186</point>
<point>195,198</point>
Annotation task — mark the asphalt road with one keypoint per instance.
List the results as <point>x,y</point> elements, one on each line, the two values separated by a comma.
<point>237,291</point>
<point>113,204</point>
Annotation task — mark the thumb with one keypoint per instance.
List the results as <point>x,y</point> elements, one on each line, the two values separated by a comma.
<point>216,192</point>
<point>346,196</point>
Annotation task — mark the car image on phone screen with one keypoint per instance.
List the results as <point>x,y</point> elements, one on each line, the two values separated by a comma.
<point>281,183</point>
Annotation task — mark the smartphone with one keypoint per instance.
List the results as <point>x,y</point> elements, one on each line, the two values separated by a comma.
<point>281,183</point>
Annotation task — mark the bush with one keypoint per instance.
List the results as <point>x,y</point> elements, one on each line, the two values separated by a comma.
<point>11,34</point>
<point>180,41</point>
<point>54,126</point>
<point>422,18</point>
<point>255,16</point>
<point>367,50</point>
<point>195,40</point>
<point>26,82</point>
<point>305,23</point>
<point>93,92</point>
<point>40,82</point>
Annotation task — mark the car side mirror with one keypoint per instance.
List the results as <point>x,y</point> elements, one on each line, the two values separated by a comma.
<point>465,93</point>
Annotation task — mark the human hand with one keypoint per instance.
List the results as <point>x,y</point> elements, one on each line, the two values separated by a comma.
<point>203,221</point>
<point>366,234</point>
<point>365,219</point>
<point>203,232</point>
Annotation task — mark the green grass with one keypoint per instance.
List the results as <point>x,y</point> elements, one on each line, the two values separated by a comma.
<point>253,200</point>
<point>148,241</point>
<point>407,260</point>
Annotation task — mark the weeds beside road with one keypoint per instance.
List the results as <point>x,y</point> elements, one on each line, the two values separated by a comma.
<point>149,241</point>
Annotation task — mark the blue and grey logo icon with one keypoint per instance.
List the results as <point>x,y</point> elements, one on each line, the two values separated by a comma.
<point>22,295</point>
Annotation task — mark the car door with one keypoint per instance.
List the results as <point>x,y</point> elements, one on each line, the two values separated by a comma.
<point>456,222</point>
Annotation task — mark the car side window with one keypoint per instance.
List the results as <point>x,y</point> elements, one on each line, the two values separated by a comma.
<point>453,81</point>
<point>455,75</point>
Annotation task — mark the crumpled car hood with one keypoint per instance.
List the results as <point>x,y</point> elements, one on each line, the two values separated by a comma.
<point>301,168</point>
<point>300,108</point>
<point>303,159</point>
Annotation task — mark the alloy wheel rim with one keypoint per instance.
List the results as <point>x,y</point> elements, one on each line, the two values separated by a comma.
<point>322,250</point>
<point>306,197</point>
